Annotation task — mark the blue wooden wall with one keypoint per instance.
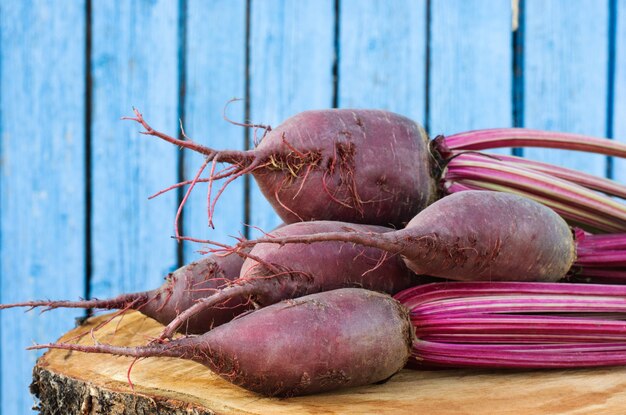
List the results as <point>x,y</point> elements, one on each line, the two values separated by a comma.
<point>74,179</point>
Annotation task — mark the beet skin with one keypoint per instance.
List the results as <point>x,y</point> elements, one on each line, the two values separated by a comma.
<point>360,166</point>
<point>324,266</point>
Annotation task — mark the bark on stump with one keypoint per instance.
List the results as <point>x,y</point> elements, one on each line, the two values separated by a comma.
<point>77,383</point>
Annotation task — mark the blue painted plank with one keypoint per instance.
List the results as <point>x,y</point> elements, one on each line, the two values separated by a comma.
<point>216,71</point>
<point>470,66</point>
<point>291,62</point>
<point>565,75</point>
<point>619,96</point>
<point>134,63</point>
<point>382,56</point>
<point>42,239</point>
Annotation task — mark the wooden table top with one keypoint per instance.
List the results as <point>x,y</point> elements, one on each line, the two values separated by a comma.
<point>585,391</point>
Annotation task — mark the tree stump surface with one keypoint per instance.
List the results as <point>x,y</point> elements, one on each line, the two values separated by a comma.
<point>86,384</point>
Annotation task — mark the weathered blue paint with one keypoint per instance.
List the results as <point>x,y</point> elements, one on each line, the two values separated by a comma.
<point>291,62</point>
<point>619,95</point>
<point>134,63</point>
<point>470,66</point>
<point>382,56</point>
<point>216,72</point>
<point>42,180</point>
<point>565,75</point>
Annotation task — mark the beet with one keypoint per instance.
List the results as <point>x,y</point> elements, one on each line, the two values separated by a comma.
<point>328,266</point>
<point>181,290</point>
<point>317,343</point>
<point>472,235</point>
<point>393,182</point>
<point>360,166</point>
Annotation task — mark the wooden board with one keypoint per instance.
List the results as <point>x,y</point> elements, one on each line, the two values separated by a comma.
<point>382,56</point>
<point>165,385</point>
<point>467,41</point>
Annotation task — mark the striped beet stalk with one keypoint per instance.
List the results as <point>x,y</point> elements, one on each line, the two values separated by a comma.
<point>517,325</point>
<point>600,258</point>
<point>601,184</point>
<point>523,137</point>
<point>565,190</point>
<point>579,204</point>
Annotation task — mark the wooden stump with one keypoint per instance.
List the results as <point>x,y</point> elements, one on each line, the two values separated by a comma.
<point>79,383</point>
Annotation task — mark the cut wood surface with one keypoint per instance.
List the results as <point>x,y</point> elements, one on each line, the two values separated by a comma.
<point>79,383</point>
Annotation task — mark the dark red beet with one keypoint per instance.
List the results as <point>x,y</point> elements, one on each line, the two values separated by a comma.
<point>360,166</point>
<point>181,290</point>
<point>473,235</point>
<point>329,266</point>
<point>481,235</point>
<point>366,166</point>
<point>193,282</point>
<point>321,342</point>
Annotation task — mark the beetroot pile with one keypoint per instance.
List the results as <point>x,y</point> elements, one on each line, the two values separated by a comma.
<point>494,261</point>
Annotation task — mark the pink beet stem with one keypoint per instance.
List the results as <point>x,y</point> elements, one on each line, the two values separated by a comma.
<point>497,172</point>
<point>424,294</point>
<point>521,137</point>
<point>603,242</point>
<point>517,325</point>
<point>523,304</point>
<point>602,258</point>
<point>589,181</point>
<point>565,356</point>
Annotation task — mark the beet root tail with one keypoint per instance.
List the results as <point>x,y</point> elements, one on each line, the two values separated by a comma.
<point>153,350</point>
<point>390,242</point>
<point>132,300</point>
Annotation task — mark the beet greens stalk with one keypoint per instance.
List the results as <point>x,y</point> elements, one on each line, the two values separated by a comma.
<point>600,258</point>
<point>523,137</point>
<point>581,205</point>
<point>601,184</point>
<point>517,325</point>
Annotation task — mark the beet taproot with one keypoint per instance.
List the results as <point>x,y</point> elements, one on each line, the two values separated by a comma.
<point>316,343</point>
<point>181,290</point>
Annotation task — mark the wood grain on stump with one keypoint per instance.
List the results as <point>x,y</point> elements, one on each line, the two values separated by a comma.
<point>79,383</point>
